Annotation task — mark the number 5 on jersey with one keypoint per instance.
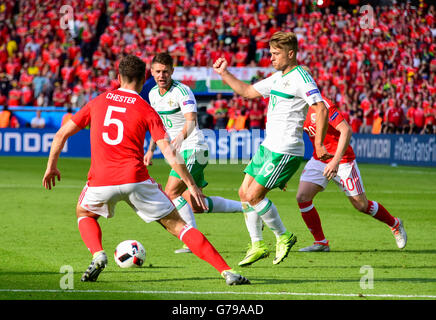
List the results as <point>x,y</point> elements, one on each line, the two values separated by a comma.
<point>108,120</point>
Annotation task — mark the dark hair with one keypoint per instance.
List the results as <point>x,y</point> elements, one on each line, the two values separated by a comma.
<point>132,68</point>
<point>163,58</point>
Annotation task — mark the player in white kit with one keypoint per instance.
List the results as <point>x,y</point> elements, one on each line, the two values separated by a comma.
<point>176,105</point>
<point>291,91</point>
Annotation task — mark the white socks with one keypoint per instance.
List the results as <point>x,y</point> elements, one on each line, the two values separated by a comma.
<point>219,204</point>
<point>267,211</point>
<point>185,211</point>
<point>253,222</point>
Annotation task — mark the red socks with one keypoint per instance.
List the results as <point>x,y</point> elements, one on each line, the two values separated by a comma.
<point>202,248</point>
<point>376,210</point>
<point>312,220</point>
<point>91,233</point>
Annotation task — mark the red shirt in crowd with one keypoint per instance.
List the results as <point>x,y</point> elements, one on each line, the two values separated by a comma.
<point>15,97</point>
<point>419,117</point>
<point>395,116</point>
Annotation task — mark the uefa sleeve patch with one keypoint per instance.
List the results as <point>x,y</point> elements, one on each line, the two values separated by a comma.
<point>309,93</point>
<point>188,102</point>
<point>334,115</point>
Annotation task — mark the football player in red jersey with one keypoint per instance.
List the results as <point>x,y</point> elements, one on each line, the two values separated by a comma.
<point>343,170</point>
<point>119,120</point>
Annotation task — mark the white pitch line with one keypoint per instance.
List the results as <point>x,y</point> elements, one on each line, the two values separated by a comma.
<point>226,292</point>
<point>66,186</point>
<point>338,191</point>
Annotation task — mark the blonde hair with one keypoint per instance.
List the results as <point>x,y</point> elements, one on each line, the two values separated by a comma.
<point>284,40</point>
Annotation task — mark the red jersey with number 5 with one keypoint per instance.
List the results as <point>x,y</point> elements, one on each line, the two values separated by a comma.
<point>332,136</point>
<point>119,120</point>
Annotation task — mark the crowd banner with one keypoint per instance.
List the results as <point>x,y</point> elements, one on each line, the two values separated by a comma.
<point>203,80</point>
<point>235,146</point>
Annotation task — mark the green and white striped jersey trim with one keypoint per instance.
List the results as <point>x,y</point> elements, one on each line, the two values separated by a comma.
<point>175,84</point>
<point>170,111</point>
<point>307,78</point>
<point>179,86</point>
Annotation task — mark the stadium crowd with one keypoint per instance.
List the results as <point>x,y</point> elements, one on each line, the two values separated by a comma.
<point>381,74</point>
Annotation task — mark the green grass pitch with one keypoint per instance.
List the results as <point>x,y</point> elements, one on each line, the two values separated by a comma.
<point>39,236</point>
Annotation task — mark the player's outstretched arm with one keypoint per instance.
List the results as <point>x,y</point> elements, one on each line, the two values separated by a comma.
<point>178,164</point>
<point>240,87</point>
<point>52,173</point>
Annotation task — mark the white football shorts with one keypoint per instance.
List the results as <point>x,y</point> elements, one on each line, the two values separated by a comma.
<point>146,198</point>
<point>348,177</point>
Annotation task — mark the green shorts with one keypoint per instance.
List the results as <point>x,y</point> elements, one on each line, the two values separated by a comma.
<point>196,160</point>
<point>271,169</point>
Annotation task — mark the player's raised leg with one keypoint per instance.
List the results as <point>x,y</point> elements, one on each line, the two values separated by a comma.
<point>201,247</point>
<point>305,195</point>
<point>379,212</point>
<point>215,204</point>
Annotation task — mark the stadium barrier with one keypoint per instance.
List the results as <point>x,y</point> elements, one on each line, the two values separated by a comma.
<point>51,114</point>
<point>235,146</point>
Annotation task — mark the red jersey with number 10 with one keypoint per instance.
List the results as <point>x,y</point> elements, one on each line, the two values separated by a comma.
<point>332,136</point>
<point>119,120</point>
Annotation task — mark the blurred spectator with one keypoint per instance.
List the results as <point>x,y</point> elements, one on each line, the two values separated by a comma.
<point>39,81</point>
<point>27,98</point>
<point>205,120</point>
<point>241,120</point>
<point>59,96</point>
<point>221,118</point>
<point>38,122</point>
<point>5,117</point>
<point>42,100</point>
<point>13,121</point>
<point>368,116</point>
<point>377,126</point>
<point>394,117</point>
<point>430,114</point>
<point>219,111</point>
<point>416,117</point>
<point>284,8</point>
<point>370,67</point>
<point>5,87</point>
<point>15,94</point>
<point>67,116</point>
<point>356,121</point>
<point>255,115</point>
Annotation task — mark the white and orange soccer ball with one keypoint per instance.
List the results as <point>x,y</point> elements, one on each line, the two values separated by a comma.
<point>129,254</point>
